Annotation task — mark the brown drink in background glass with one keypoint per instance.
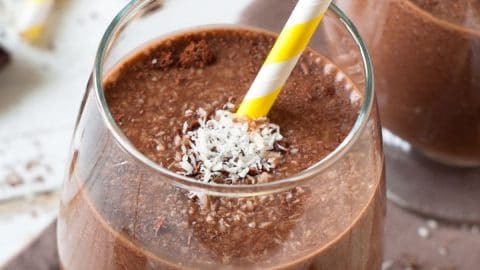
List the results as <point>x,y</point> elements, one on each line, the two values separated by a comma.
<point>322,207</point>
<point>426,56</point>
<point>427,65</point>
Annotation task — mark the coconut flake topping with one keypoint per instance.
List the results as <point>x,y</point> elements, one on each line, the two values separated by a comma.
<point>229,147</point>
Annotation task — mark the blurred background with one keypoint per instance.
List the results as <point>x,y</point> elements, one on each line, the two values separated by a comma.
<point>41,86</point>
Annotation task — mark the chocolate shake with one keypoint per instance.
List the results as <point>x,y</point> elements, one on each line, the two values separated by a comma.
<point>426,55</point>
<point>160,97</point>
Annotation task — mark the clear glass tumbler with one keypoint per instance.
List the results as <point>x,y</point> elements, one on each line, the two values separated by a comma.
<point>426,56</point>
<point>104,224</point>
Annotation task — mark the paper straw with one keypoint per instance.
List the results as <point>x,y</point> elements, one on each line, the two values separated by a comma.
<point>283,57</point>
<point>33,19</point>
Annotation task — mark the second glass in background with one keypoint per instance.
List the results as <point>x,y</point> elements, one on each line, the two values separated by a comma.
<point>426,57</point>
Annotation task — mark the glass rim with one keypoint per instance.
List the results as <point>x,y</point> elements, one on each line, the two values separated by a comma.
<point>225,189</point>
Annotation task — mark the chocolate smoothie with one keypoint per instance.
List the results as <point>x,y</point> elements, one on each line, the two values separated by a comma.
<point>122,219</point>
<point>426,55</point>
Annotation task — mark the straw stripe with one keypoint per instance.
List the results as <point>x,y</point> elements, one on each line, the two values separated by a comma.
<point>33,33</point>
<point>283,57</point>
<point>37,2</point>
<point>271,77</point>
<point>285,49</point>
<point>262,105</point>
<point>32,23</point>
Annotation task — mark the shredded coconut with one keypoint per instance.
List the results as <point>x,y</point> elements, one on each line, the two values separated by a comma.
<point>228,147</point>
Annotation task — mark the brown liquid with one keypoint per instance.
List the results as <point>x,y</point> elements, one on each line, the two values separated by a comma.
<point>120,219</point>
<point>426,55</point>
<point>464,13</point>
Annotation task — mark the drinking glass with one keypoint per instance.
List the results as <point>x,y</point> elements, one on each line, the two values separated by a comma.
<point>427,69</point>
<point>120,210</point>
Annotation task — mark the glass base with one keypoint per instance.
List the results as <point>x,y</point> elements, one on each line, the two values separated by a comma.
<point>451,161</point>
<point>418,183</point>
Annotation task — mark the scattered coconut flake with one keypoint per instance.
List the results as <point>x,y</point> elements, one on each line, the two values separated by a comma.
<point>229,106</point>
<point>339,77</point>
<point>228,147</point>
<point>188,113</point>
<point>355,97</point>
<point>201,113</point>
<point>177,140</point>
<point>423,232</point>
<point>160,147</point>
<point>432,224</point>
<point>328,68</point>
<point>443,251</point>
<point>184,128</point>
<point>387,265</point>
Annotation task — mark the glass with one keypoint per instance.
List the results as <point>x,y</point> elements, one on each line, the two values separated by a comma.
<point>427,69</point>
<point>426,57</point>
<point>104,224</point>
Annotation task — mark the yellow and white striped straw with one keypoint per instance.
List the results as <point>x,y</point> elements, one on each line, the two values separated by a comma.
<point>33,19</point>
<point>283,57</point>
